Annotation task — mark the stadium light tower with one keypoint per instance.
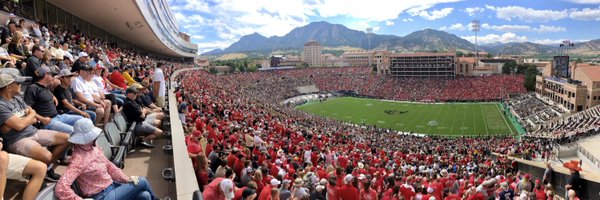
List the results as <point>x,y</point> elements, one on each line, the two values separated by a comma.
<point>565,46</point>
<point>369,36</point>
<point>475,27</point>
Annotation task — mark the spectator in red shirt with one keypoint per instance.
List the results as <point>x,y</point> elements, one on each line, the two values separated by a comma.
<point>117,79</point>
<point>348,191</point>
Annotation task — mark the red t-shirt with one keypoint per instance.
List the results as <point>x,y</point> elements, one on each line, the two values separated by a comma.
<point>348,192</point>
<point>117,79</point>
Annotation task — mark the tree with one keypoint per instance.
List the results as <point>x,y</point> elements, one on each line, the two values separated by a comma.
<point>213,70</point>
<point>530,74</point>
<point>509,67</point>
<point>521,68</point>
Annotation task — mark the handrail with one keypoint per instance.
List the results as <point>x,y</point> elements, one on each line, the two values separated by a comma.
<point>185,178</point>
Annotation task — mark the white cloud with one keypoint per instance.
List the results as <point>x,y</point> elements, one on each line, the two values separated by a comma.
<point>494,38</point>
<point>407,20</point>
<point>433,15</point>
<point>557,41</point>
<point>374,10</point>
<point>454,27</point>
<point>547,29</point>
<point>474,11</point>
<point>587,14</point>
<point>207,46</point>
<point>389,23</point>
<point>507,28</point>
<point>523,28</point>
<point>585,1</point>
<point>527,14</point>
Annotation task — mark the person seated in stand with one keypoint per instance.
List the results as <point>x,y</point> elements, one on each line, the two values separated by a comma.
<point>102,180</point>
<point>87,93</point>
<point>21,137</point>
<point>156,114</point>
<point>136,113</point>
<point>64,96</point>
<point>17,167</point>
<point>41,99</point>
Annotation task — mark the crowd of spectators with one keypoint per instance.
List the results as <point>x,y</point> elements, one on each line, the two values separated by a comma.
<point>245,145</point>
<point>53,79</point>
<point>532,111</point>
<point>568,129</point>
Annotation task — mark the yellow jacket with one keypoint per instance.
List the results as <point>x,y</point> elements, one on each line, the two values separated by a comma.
<point>128,78</point>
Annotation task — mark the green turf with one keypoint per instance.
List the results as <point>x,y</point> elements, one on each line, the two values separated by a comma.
<point>455,119</point>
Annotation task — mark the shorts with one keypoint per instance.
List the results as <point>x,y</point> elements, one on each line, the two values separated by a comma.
<point>144,129</point>
<point>16,165</point>
<point>150,118</point>
<point>41,137</point>
<point>160,101</point>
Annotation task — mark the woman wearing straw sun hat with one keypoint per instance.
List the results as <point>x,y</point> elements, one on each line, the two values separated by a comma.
<point>102,179</point>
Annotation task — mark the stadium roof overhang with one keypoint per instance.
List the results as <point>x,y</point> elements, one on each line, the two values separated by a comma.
<point>124,19</point>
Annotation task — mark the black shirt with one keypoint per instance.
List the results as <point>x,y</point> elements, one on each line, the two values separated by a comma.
<point>575,181</point>
<point>144,100</point>
<point>77,65</point>
<point>41,99</point>
<point>133,111</point>
<point>61,94</point>
<point>33,64</point>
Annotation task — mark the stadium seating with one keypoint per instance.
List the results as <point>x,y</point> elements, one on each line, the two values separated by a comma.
<point>116,154</point>
<point>116,137</point>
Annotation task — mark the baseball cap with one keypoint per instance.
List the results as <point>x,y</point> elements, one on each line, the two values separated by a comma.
<point>275,182</point>
<point>64,73</point>
<point>82,54</point>
<point>348,178</point>
<point>12,15</point>
<point>6,79</point>
<point>227,188</point>
<point>43,70</point>
<point>131,89</point>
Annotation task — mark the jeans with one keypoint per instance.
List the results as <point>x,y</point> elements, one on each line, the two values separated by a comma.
<point>89,112</point>
<point>118,191</point>
<point>63,123</point>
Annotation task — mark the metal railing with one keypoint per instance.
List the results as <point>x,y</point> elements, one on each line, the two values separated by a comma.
<point>588,155</point>
<point>19,9</point>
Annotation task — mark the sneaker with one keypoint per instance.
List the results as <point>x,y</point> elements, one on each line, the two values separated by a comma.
<point>147,144</point>
<point>52,176</point>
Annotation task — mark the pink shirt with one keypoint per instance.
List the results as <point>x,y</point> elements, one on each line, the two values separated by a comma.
<point>92,171</point>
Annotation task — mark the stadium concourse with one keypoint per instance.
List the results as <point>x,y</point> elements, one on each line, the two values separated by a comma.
<point>238,133</point>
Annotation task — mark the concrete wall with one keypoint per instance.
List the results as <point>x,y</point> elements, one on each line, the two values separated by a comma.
<point>590,186</point>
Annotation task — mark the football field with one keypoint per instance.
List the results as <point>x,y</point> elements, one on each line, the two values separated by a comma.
<point>451,119</point>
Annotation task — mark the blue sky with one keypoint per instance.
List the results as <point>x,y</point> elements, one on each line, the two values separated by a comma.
<point>217,24</point>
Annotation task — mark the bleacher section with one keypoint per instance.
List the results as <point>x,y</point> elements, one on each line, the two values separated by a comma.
<point>532,111</point>
<point>307,89</point>
<point>571,128</point>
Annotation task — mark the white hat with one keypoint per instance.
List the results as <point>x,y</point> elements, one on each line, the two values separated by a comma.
<point>361,176</point>
<point>320,188</point>
<point>226,186</point>
<point>361,165</point>
<point>82,54</point>
<point>348,178</point>
<point>430,190</point>
<point>275,182</point>
<point>84,132</point>
<point>278,161</point>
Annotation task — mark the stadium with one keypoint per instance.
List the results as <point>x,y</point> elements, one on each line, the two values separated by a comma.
<point>113,102</point>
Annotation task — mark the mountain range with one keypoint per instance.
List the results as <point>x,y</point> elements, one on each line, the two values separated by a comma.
<point>335,35</point>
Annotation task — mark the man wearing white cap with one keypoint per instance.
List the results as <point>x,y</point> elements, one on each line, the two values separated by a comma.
<point>80,62</point>
<point>16,119</point>
<point>348,191</point>
<point>219,189</point>
<point>266,191</point>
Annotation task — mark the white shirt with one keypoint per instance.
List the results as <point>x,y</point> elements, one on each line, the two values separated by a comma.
<point>159,77</point>
<point>87,89</point>
<point>99,82</point>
